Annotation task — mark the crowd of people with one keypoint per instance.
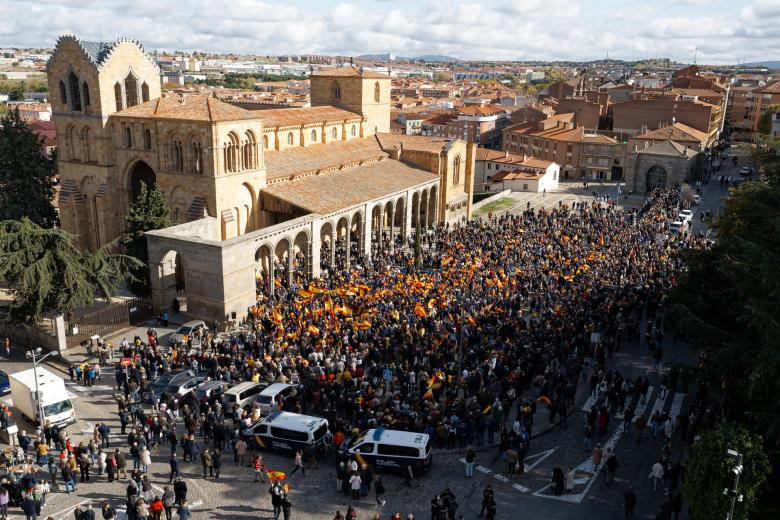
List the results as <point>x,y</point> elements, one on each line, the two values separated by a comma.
<point>462,340</point>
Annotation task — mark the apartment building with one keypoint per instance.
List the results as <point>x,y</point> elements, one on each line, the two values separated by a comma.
<point>492,165</point>
<point>637,115</point>
<point>765,97</point>
<point>480,124</point>
<point>739,109</point>
<point>582,154</point>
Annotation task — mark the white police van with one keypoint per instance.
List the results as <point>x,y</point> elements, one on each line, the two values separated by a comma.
<point>391,449</point>
<point>287,431</point>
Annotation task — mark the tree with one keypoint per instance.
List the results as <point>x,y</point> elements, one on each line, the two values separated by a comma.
<point>26,188</point>
<point>708,472</point>
<point>764,125</point>
<point>727,305</point>
<point>148,212</point>
<point>47,272</point>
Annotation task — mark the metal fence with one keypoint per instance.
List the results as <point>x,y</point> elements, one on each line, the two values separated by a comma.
<point>108,319</point>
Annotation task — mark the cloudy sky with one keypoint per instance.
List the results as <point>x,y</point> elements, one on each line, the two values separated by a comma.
<point>724,31</point>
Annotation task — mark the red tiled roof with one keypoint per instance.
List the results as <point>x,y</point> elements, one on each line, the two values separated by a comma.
<point>188,108</point>
<point>348,72</point>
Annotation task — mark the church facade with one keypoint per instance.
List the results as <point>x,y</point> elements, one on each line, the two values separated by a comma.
<point>255,194</point>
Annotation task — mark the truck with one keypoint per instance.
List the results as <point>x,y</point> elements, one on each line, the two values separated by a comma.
<point>54,399</point>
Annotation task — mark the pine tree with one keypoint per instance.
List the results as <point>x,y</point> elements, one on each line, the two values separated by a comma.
<point>148,212</point>
<point>26,188</point>
<point>47,272</point>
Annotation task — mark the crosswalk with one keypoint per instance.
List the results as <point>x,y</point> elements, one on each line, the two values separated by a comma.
<point>584,473</point>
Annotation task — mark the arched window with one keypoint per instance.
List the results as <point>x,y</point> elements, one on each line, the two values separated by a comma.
<point>63,93</point>
<point>376,92</point>
<point>75,94</point>
<point>72,144</point>
<point>197,157</point>
<point>456,171</point>
<point>352,131</point>
<point>85,93</point>
<point>131,90</point>
<point>128,137</point>
<point>85,138</point>
<point>313,136</point>
<point>177,164</point>
<point>147,139</point>
<point>231,153</point>
<point>250,150</point>
<point>118,96</point>
<point>144,92</point>
<point>265,142</point>
<point>334,133</point>
<point>336,90</point>
<point>290,138</point>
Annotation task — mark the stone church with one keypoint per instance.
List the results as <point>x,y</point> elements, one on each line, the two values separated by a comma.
<point>266,195</point>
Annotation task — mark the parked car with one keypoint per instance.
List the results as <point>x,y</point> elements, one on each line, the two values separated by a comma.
<point>212,388</point>
<point>697,199</point>
<point>188,330</point>
<point>5,384</point>
<point>745,171</point>
<point>183,388</point>
<point>160,384</point>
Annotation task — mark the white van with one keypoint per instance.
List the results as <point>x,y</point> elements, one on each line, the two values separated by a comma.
<point>287,431</point>
<point>391,449</point>
<point>243,393</point>
<point>271,399</point>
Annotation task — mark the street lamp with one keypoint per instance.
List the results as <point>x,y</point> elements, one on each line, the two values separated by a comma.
<point>31,354</point>
<point>735,471</point>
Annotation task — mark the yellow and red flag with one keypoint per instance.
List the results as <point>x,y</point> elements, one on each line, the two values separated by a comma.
<point>314,331</point>
<point>275,476</point>
<point>420,311</point>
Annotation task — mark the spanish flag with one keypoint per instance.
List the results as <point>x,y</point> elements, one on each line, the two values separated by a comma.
<point>601,239</point>
<point>487,410</point>
<point>471,321</point>
<point>428,394</point>
<point>545,400</point>
<point>420,311</point>
<point>314,331</point>
<point>306,295</point>
<point>275,476</point>
<point>361,325</point>
<point>276,316</point>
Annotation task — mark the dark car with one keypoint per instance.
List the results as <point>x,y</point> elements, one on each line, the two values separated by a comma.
<point>160,384</point>
<point>5,384</point>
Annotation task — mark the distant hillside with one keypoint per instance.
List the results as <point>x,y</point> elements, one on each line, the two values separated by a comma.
<point>386,57</point>
<point>764,64</point>
<point>436,57</point>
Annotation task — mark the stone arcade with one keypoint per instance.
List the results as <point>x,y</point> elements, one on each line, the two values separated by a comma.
<point>248,189</point>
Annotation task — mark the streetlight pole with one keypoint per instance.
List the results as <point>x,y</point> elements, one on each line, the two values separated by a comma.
<point>734,493</point>
<point>30,354</point>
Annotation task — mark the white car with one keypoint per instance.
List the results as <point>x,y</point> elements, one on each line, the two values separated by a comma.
<point>677,227</point>
<point>685,215</point>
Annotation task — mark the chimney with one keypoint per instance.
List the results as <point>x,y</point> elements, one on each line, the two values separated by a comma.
<point>506,153</point>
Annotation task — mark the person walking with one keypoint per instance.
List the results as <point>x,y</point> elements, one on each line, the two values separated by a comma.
<point>276,499</point>
<point>558,481</point>
<point>470,457</point>
<point>612,465</point>
<point>570,481</point>
<point>5,498</point>
<point>216,462</point>
<point>657,475</point>
<point>240,450</point>
<point>184,511</point>
<point>595,457</point>
<point>298,463</point>
<point>206,461</point>
<point>174,463</point>
<point>629,502</point>
<point>259,466</point>
<point>487,497</point>
<point>180,491</point>
<point>379,490</point>
<point>169,500</point>
<point>146,459</point>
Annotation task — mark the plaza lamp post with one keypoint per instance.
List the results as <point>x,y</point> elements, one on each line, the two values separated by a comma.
<point>733,493</point>
<point>31,354</point>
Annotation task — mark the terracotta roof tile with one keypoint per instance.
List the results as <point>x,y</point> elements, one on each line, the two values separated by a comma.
<point>301,160</point>
<point>412,142</point>
<point>333,191</point>
<point>188,108</point>
<point>302,116</point>
<point>675,132</point>
<point>348,72</point>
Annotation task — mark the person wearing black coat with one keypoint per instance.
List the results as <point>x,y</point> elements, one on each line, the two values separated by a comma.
<point>216,462</point>
<point>89,514</point>
<point>174,462</point>
<point>180,490</point>
<point>28,506</point>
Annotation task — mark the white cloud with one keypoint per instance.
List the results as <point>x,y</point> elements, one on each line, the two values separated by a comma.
<point>495,29</point>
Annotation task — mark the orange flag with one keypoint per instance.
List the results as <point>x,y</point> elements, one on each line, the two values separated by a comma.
<point>420,311</point>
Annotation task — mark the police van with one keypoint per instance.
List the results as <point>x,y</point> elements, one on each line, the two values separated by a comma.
<point>391,449</point>
<point>287,431</point>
